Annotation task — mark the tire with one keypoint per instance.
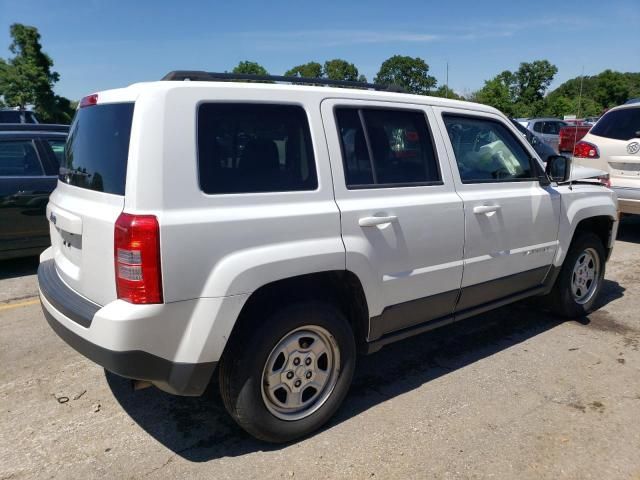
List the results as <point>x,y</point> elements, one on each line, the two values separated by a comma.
<point>564,300</point>
<point>278,412</point>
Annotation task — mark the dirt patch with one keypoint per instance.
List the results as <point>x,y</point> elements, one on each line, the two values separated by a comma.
<point>597,406</point>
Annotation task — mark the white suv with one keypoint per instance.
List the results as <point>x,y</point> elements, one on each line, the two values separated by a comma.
<point>613,145</point>
<point>271,231</point>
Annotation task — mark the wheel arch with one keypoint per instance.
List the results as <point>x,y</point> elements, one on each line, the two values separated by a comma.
<point>342,288</point>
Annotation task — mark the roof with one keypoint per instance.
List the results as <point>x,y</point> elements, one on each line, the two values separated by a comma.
<point>132,92</point>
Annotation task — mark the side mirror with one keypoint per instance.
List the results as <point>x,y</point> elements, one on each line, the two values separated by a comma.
<point>534,140</point>
<point>558,168</point>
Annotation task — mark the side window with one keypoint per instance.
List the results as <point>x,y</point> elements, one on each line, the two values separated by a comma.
<point>18,158</point>
<point>58,149</point>
<point>537,127</point>
<point>386,147</point>
<point>486,151</point>
<point>250,148</point>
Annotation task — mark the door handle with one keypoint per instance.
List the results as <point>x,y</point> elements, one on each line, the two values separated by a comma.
<point>375,221</point>
<point>486,209</point>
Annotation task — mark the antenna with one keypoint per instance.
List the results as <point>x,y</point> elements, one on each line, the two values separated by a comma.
<point>575,127</point>
<point>446,90</point>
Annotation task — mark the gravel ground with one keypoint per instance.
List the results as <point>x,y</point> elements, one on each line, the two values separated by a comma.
<point>511,394</point>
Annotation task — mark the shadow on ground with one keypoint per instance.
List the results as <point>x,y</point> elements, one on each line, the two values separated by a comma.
<point>199,429</point>
<point>629,229</point>
<point>18,267</point>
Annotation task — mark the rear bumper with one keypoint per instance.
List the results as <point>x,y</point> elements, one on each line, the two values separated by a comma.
<point>77,321</point>
<point>628,199</point>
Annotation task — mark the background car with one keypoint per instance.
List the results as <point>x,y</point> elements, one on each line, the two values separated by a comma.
<point>547,130</point>
<point>543,150</point>
<point>613,145</point>
<point>8,115</point>
<point>29,161</point>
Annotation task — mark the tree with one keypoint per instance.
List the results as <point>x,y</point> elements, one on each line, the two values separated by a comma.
<point>412,74</point>
<point>307,70</point>
<point>520,93</point>
<point>591,95</point>
<point>445,92</point>
<point>338,69</point>
<point>27,78</point>
<point>250,68</point>
<point>499,92</point>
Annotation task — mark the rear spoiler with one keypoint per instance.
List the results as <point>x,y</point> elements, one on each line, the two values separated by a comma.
<point>33,127</point>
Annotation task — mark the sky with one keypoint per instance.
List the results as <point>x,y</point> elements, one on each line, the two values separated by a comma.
<point>100,44</point>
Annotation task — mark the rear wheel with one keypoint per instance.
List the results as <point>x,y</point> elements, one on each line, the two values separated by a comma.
<point>580,279</point>
<point>284,376</point>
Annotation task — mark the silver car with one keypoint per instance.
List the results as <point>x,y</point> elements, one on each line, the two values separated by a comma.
<point>547,130</point>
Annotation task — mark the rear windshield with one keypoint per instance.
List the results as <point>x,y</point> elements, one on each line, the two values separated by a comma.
<point>621,124</point>
<point>96,153</point>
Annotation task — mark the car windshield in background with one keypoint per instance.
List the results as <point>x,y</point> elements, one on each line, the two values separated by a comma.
<point>98,148</point>
<point>16,116</point>
<point>623,124</point>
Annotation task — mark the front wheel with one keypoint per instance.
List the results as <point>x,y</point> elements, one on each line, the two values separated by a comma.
<point>285,375</point>
<point>580,280</point>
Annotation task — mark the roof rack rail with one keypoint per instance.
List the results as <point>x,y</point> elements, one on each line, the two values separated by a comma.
<point>201,76</point>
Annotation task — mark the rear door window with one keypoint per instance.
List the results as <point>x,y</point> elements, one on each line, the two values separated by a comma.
<point>19,158</point>
<point>386,147</point>
<point>552,128</point>
<point>251,148</point>
<point>623,124</point>
<point>97,150</point>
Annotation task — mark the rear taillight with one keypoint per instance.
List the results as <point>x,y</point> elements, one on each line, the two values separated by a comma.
<point>586,150</point>
<point>89,100</point>
<point>137,258</point>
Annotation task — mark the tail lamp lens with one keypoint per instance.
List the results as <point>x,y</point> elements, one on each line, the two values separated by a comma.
<point>586,150</point>
<point>137,259</point>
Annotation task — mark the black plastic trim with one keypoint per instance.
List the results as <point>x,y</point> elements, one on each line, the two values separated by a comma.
<point>424,308</point>
<point>486,292</point>
<point>414,312</point>
<point>189,379</point>
<point>64,299</point>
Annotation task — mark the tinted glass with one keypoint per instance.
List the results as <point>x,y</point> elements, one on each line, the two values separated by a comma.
<point>355,155</point>
<point>552,128</point>
<point>486,151</point>
<point>401,146</point>
<point>244,148</point>
<point>58,149</point>
<point>537,127</point>
<point>621,124</point>
<point>19,158</point>
<point>15,116</point>
<point>399,140</point>
<point>97,149</point>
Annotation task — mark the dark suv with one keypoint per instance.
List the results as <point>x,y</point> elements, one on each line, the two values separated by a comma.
<point>30,156</point>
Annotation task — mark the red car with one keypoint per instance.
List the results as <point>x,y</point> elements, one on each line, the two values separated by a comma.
<point>570,135</point>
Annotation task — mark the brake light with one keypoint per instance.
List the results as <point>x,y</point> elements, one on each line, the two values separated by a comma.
<point>137,258</point>
<point>586,150</point>
<point>89,100</point>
